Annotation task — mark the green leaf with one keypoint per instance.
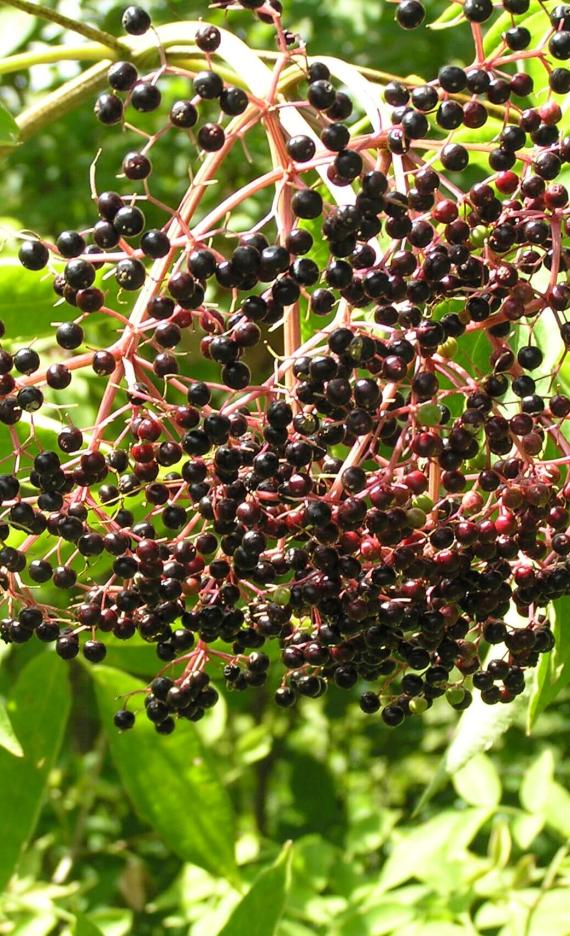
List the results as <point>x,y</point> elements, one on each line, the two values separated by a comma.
<point>423,852</point>
<point>260,911</point>
<point>27,302</point>
<point>477,730</point>
<point>113,921</point>
<point>451,16</point>
<point>9,130</point>
<point>84,927</point>
<point>170,781</point>
<point>536,782</point>
<point>558,810</point>
<point>386,917</point>
<point>551,914</point>
<point>316,797</point>
<point>15,27</point>
<point>8,739</point>
<point>553,670</point>
<point>478,782</point>
<point>39,711</point>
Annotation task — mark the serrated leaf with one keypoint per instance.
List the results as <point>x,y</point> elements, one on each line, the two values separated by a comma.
<point>438,841</point>
<point>478,782</point>
<point>8,738</point>
<point>39,710</point>
<point>260,911</point>
<point>478,729</point>
<point>170,780</point>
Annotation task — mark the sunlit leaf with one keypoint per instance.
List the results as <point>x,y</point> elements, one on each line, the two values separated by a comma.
<point>161,773</point>
<point>8,738</point>
<point>478,782</point>
<point>553,671</point>
<point>259,912</point>
<point>39,711</point>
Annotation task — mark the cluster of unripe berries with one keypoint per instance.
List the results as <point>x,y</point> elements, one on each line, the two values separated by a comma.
<point>370,510</point>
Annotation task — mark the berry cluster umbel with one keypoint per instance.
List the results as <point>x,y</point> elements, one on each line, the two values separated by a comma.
<point>375,506</point>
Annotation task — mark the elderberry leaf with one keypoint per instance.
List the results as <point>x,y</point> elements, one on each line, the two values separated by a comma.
<point>9,130</point>
<point>39,712</point>
<point>478,782</point>
<point>436,844</point>
<point>15,27</point>
<point>8,738</point>
<point>26,302</point>
<point>553,670</point>
<point>535,787</point>
<point>260,911</point>
<point>85,927</point>
<point>451,16</point>
<point>180,768</point>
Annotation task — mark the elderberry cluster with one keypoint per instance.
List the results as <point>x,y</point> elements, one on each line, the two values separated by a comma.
<point>370,508</point>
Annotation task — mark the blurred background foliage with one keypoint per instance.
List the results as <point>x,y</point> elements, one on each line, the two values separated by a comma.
<point>145,835</point>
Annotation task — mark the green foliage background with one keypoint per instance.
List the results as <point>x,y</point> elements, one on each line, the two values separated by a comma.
<point>255,821</point>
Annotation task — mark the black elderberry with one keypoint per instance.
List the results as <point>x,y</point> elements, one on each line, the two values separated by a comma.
<point>452,78</point>
<point>321,94</point>
<point>69,336</point>
<point>517,38</point>
<point>478,11</point>
<point>135,20</point>
<point>26,360</point>
<point>335,137</point>
<point>122,76</point>
<point>109,108</point>
<point>208,85</point>
<point>67,646</point>
<point>130,274</point>
<point>559,80</point>
<point>145,96</point>
<point>208,38</point>
<point>393,715</point>
<point>155,244</point>
<point>136,166</point>
<point>307,204</point>
<point>129,222</point>
<point>301,148</point>
<point>33,255</point>
<point>211,137</point>
<point>233,101</point>
<point>410,14</point>
<point>124,719</point>
<point>559,45</point>
<point>183,114</point>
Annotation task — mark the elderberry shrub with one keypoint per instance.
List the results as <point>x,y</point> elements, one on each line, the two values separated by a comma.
<point>371,510</point>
